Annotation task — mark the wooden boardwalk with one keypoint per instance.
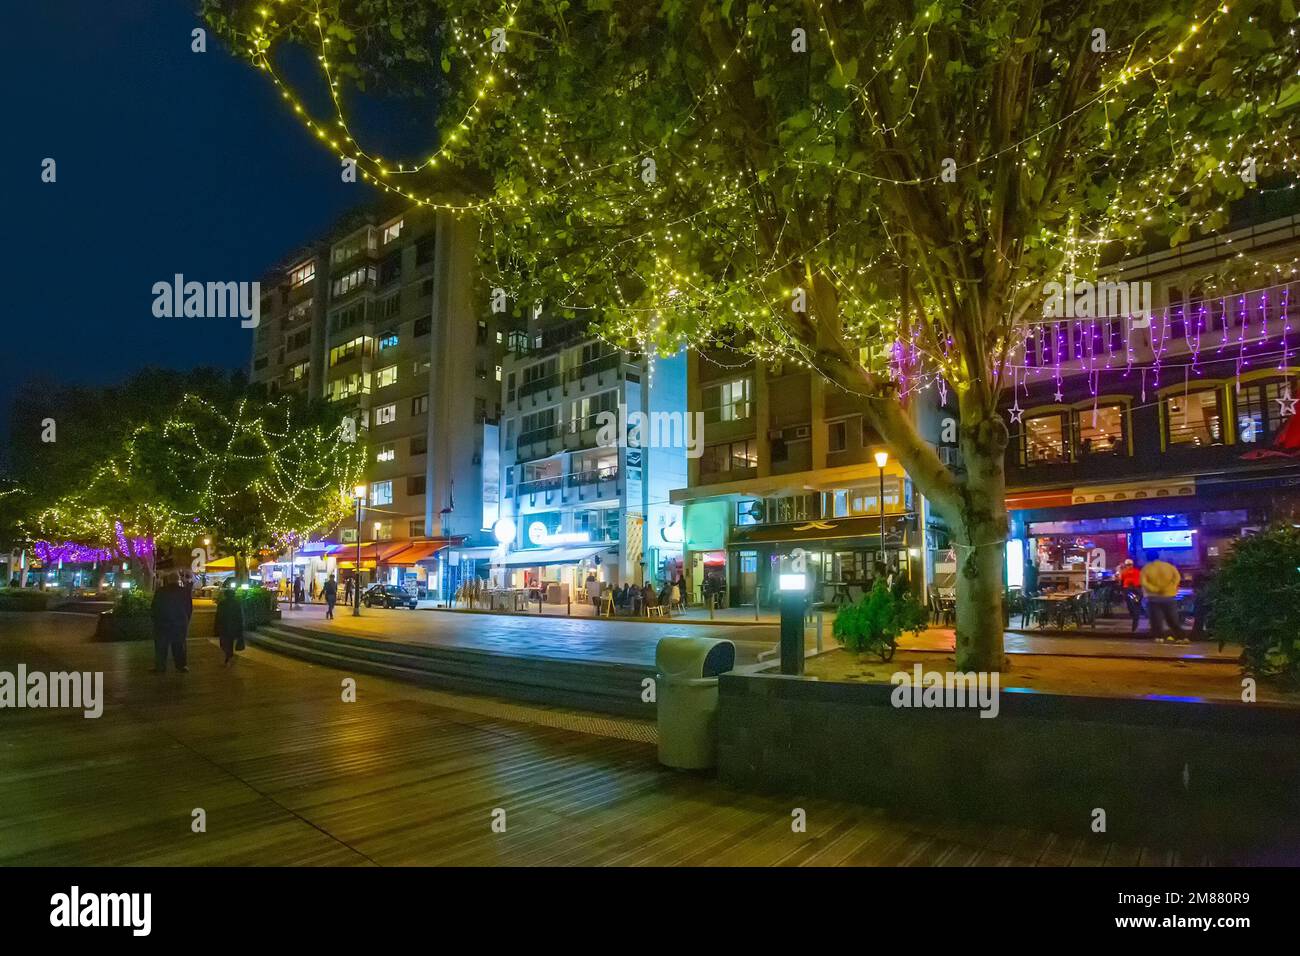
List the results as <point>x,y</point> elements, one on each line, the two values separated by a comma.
<point>289,774</point>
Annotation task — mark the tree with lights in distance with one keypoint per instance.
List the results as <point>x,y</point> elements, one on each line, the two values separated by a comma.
<point>874,191</point>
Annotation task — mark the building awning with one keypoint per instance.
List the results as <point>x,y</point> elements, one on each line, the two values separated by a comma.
<point>1023,501</point>
<point>822,479</point>
<point>821,529</point>
<point>1135,491</point>
<point>417,551</point>
<point>228,564</point>
<point>545,556</point>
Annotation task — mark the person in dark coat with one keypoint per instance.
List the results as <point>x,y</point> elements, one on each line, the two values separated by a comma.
<point>230,622</point>
<point>331,594</point>
<point>171,609</point>
<point>298,592</point>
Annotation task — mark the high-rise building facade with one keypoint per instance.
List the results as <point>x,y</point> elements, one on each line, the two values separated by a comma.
<point>380,318</point>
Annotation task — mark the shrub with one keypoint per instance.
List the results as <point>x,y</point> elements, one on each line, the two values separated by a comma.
<point>24,599</point>
<point>877,621</point>
<point>1254,601</point>
<point>133,603</point>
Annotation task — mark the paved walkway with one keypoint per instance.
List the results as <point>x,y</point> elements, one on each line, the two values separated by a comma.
<point>288,774</point>
<point>624,641</point>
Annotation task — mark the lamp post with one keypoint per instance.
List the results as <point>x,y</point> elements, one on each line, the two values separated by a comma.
<point>882,459</point>
<point>359,492</point>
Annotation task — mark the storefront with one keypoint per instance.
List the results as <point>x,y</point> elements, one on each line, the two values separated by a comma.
<point>559,573</point>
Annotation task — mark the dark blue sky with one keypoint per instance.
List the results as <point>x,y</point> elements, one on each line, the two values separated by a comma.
<point>168,161</point>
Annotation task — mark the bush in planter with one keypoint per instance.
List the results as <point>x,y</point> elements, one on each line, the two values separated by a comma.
<point>1254,600</point>
<point>260,605</point>
<point>131,618</point>
<point>24,599</point>
<point>877,621</point>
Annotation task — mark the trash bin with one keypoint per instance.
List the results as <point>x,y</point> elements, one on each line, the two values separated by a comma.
<point>687,698</point>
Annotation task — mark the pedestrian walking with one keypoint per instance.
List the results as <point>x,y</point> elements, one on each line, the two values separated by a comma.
<point>170,610</point>
<point>312,590</point>
<point>1130,584</point>
<point>331,594</point>
<point>1160,581</point>
<point>594,587</point>
<point>230,622</point>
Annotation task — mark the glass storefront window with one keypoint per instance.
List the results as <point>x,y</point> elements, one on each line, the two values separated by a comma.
<point>1259,416</point>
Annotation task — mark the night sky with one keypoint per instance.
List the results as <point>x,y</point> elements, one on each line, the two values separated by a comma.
<point>168,161</point>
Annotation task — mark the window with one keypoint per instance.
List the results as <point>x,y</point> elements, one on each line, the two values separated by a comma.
<point>390,269</point>
<point>837,436</point>
<point>387,340</point>
<point>416,529</point>
<point>728,402</point>
<point>392,231</point>
<point>386,376</point>
<point>1259,414</point>
<point>386,452</point>
<point>422,326</point>
<point>381,493</point>
<point>481,336</point>
<point>729,456</point>
<point>1194,418</point>
<point>424,252</point>
<point>349,350</point>
<point>419,366</point>
<point>346,318</point>
<point>415,484</point>
<point>301,275</point>
<point>299,339</point>
<point>584,413</point>
<point>349,386</point>
<point>299,371</point>
<point>260,362</point>
<point>298,312</point>
<point>351,281</point>
<point>383,530</point>
<point>1044,439</point>
<point>419,404</point>
<point>498,373</point>
<point>419,444</point>
<point>389,307</point>
<point>385,414</point>
<point>1099,432</point>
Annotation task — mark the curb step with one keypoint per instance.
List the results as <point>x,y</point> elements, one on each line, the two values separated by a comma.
<point>584,685</point>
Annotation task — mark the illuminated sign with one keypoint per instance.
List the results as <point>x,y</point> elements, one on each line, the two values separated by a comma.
<point>539,534</point>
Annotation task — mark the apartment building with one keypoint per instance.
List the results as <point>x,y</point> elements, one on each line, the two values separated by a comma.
<point>380,319</point>
<point>1164,436</point>
<point>571,506</point>
<point>789,481</point>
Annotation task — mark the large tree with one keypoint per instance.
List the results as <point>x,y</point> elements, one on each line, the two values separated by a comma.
<point>876,190</point>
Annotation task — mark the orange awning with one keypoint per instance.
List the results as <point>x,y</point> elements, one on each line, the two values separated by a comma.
<point>418,551</point>
<point>1038,499</point>
<point>228,564</point>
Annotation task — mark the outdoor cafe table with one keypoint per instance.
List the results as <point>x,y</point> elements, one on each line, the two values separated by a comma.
<point>1054,605</point>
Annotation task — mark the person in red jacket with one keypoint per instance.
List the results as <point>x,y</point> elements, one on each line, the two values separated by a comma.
<point>1130,584</point>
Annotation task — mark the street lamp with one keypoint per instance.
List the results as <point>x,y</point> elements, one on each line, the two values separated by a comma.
<point>882,459</point>
<point>359,492</point>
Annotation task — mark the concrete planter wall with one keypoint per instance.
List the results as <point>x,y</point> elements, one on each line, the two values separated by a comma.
<point>1045,761</point>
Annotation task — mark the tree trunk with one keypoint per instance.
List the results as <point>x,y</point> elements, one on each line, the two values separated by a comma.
<point>980,542</point>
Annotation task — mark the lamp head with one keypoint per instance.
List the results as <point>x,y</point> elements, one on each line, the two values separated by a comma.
<point>359,492</point>
<point>882,459</point>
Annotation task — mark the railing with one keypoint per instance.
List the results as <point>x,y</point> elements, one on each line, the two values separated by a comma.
<point>537,485</point>
<point>593,477</point>
<point>545,433</point>
<point>539,385</point>
<point>603,364</point>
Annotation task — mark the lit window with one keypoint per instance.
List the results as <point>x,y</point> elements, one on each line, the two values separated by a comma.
<point>419,404</point>
<point>381,493</point>
<point>385,414</point>
<point>388,341</point>
<point>1044,439</point>
<point>498,373</point>
<point>1194,418</point>
<point>1100,431</point>
<point>392,231</point>
<point>386,376</point>
<point>303,274</point>
<point>386,452</point>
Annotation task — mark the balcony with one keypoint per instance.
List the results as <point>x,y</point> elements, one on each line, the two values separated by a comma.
<point>539,385</point>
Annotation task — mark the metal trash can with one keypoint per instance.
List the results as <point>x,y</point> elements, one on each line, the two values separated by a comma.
<point>687,698</point>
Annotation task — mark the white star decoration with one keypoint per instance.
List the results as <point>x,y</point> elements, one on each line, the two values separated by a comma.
<point>1286,404</point>
<point>1016,412</point>
<point>1059,396</point>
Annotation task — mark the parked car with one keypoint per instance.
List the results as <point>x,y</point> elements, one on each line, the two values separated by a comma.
<point>388,595</point>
